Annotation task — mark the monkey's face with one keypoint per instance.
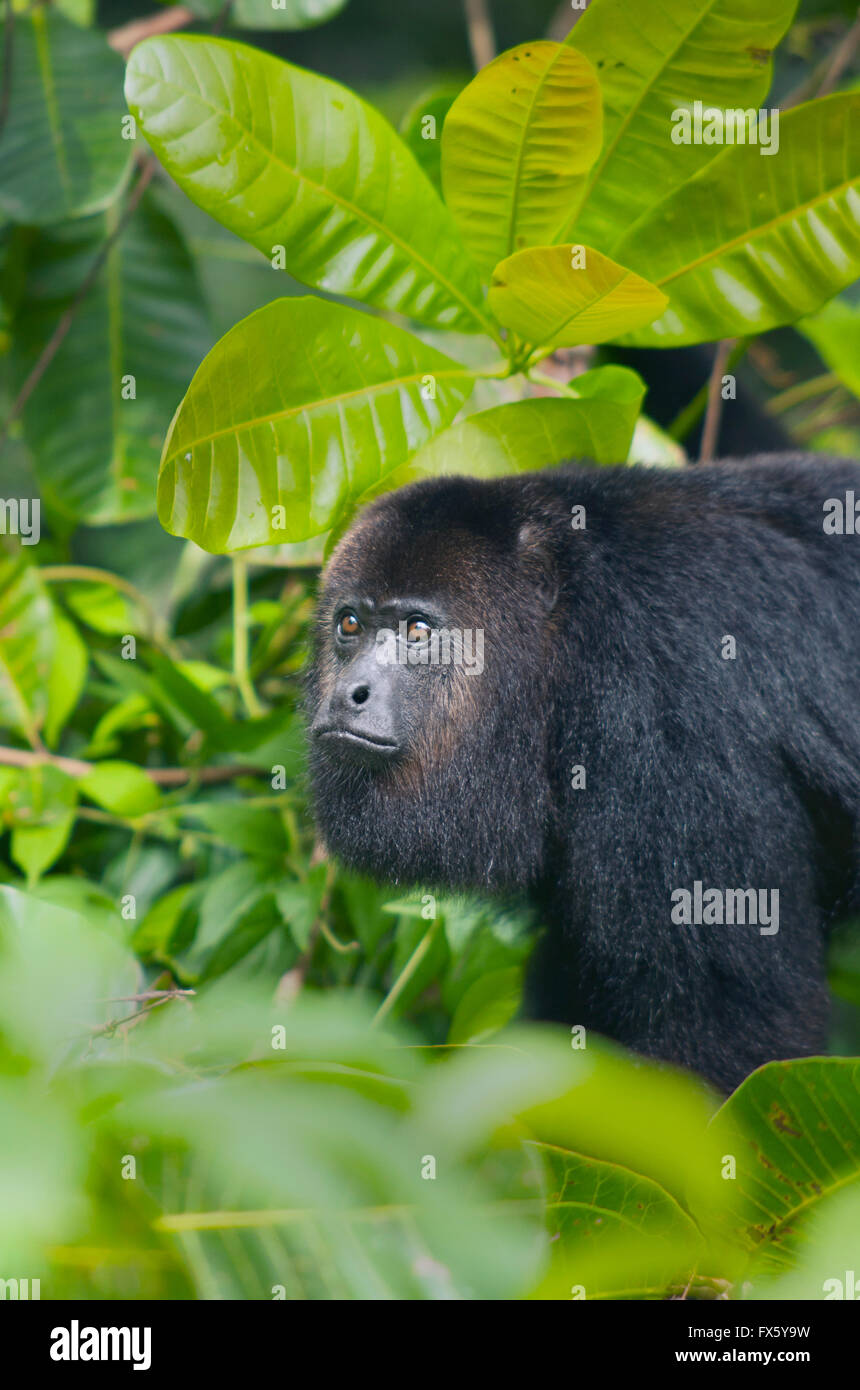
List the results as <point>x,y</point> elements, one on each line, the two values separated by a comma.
<point>376,697</point>
<point>428,691</point>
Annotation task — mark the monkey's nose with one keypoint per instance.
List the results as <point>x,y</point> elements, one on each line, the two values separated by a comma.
<point>359,694</point>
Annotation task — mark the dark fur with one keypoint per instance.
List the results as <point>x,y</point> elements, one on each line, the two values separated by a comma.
<point>741,773</point>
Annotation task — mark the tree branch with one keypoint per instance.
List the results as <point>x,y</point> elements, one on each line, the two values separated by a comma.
<point>841,58</point>
<point>711,428</point>
<point>124,38</point>
<point>482,41</point>
<point>161,776</point>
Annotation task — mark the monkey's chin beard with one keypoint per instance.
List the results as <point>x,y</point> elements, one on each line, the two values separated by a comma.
<point>456,829</point>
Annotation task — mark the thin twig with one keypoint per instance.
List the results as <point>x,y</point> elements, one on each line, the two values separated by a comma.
<point>146,994</point>
<point>841,58</point>
<point>563,20</point>
<point>221,17</point>
<point>822,421</point>
<point>711,428</point>
<point>8,50</point>
<point>827,73</point>
<point>161,776</point>
<point>479,24</point>
<point>126,36</point>
<point>55,342</point>
<point>803,391</point>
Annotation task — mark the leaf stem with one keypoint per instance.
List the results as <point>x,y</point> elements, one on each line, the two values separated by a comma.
<point>542,379</point>
<point>241,673</point>
<point>406,974</point>
<point>91,575</point>
<point>804,391</point>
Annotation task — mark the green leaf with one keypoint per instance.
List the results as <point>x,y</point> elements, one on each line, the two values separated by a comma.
<point>516,145</point>
<point>794,1131</point>
<point>421,128</point>
<point>271,14</point>
<point>826,1266</point>
<point>652,445</point>
<point>525,435</point>
<point>753,242</point>
<point>835,332</point>
<point>653,59</point>
<point>287,159</point>
<point>43,809</point>
<point>121,788</point>
<point>142,329</point>
<point>103,608</point>
<point>303,406</point>
<point>66,680</point>
<point>62,153</point>
<point>61,978</point>
<point>487,1006</point>
<point>27,645</point>
<point>299,904</point>
<point>560,296</point>
<point>155,934</point>
<point>614,1234</point>
<point>254,830</point>
<point>236,912</point>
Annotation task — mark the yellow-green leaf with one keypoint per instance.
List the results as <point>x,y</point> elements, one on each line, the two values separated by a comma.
<point>559,296</point>
<point>753,242</point>
<point>516,146</point>
<point>307,172</point>
<point>654,59</point>
<point>299,409</point>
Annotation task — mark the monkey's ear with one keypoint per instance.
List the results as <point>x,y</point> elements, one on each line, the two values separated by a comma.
<point>538,563</point>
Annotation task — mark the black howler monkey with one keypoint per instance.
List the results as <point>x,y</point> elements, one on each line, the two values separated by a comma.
<point>657,733</point>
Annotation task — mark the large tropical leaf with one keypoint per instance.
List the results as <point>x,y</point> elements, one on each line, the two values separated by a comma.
<point>61,153</point>
<point>652,60</point>
<point>525,435</point>
<point>303,405</point>
<point>96,447</point>
<point>614,1234</point>
<point>559,296</point>
<point>288,159</point>
<point>751,243</point>
<point>793,1129</point>
<point>515,146</point>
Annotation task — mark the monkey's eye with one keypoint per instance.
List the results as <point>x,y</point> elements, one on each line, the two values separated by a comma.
<point>417,630</point>
<point>348,625</point>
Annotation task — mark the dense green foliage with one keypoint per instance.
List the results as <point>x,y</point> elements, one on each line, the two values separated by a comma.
<point>226,1066</point>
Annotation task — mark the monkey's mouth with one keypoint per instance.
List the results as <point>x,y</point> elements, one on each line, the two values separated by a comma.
<point>361,743</point>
